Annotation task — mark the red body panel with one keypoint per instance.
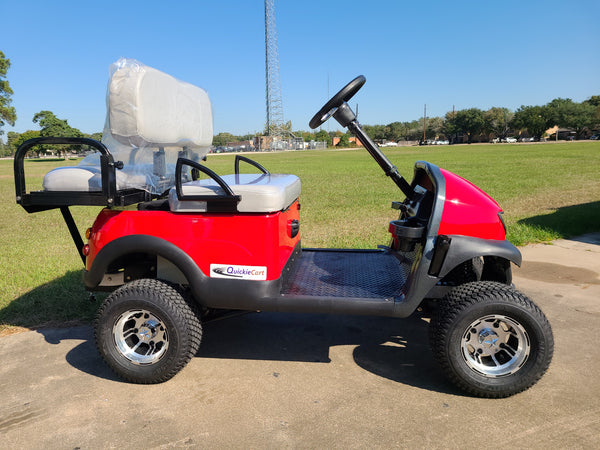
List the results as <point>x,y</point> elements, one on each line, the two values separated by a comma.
<point>469,211</point>
<point>208,238</point>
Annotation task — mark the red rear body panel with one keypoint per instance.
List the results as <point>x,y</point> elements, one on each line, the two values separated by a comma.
<point>468,211</point>
<point>208,238</point>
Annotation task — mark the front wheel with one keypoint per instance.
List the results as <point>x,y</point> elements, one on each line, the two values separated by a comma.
<point>146,332</point>
<point>491,340</point>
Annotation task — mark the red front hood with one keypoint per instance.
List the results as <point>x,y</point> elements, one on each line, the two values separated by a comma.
<point>468,211</point>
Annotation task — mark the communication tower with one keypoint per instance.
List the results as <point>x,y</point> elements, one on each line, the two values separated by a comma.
<point>274,125</point>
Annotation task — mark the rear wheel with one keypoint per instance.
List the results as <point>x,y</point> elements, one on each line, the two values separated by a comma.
<point>146,332</point>
<point>491,340</point>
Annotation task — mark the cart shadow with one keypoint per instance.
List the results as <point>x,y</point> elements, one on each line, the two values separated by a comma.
<point>395,349</point>
<point>83,357</point>
<point>569,221</point>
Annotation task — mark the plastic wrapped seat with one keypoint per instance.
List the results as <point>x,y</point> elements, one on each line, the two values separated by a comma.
<point>152,119</point>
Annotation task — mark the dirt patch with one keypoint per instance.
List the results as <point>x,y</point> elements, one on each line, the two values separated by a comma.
<point>556,273</point>
<point>7,331</point>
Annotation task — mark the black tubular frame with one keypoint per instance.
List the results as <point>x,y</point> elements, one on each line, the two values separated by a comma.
<point>239,158</point>
<point>72,226</point>
<point>226,202</point>
<point>43,200</point>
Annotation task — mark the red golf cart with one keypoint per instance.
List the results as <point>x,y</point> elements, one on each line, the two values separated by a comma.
<point>179,241</point>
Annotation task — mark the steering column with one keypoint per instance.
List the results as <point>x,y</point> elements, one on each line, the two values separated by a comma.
<point>337,107</point>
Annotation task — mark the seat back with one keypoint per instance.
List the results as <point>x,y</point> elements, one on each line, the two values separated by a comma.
<point>151,119</point>
<point>148,108</point>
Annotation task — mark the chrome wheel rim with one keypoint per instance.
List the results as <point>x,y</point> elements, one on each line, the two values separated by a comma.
<point>141,336</point>
<point>495,345</point>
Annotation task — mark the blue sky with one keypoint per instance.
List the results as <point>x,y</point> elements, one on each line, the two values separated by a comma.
<point>440,53</point>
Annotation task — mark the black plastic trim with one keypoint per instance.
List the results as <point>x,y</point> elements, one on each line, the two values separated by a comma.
<point>442,245</point>
<point>294,228</point>
<point>420,282</point>
<point>464,248</point>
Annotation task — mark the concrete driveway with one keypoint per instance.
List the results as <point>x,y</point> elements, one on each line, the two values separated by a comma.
<point>279,380</point>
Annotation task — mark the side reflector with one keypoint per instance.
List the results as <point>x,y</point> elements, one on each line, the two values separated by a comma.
<point>85,250</point>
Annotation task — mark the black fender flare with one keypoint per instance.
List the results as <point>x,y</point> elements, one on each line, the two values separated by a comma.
<point>463,248</point>
<point>141,243</point>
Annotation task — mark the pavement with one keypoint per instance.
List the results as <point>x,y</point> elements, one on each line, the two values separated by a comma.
<point>267,380</point>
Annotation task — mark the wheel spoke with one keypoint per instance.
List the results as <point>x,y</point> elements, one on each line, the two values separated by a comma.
<point>128,333</point>
<point>138,319</point>
<point>135,347</point>
<point>510,350</point>
<point>496,362</point>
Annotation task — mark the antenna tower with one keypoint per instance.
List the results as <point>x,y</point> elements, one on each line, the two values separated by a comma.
<point>274,126</point>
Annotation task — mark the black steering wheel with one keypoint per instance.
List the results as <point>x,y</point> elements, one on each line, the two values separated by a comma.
<point>336,101</point>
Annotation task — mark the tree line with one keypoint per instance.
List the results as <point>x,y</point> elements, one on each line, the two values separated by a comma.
<point>475,125</point>
<point>471,125</point>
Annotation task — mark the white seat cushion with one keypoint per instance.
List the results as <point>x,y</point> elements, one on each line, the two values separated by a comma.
<point>88,179</point>
<point>259,193</point>
<point>148,108</point>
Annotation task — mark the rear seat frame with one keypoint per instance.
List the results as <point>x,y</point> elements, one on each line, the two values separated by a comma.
<point>109,196</point>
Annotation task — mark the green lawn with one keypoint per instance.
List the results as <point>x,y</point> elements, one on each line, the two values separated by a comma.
<point>547,191</point>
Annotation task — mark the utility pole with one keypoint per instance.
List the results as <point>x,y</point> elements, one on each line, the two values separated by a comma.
<point>454,138</point>
<point>425,124</point>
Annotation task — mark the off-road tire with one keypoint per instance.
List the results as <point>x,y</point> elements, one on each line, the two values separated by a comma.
<point>490,339</point>
<point>146,331</point>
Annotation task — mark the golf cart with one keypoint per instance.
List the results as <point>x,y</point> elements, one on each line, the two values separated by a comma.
<point>176,241</point>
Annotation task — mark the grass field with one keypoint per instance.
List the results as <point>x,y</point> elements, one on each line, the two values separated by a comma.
<point>548,191</point>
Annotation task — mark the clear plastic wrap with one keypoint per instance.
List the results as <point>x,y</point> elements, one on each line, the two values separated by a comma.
<point>151,119</point>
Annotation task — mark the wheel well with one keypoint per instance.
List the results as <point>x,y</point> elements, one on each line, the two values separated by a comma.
<point>133,266</point>
<point>138,265</point>
<point>486,268</point>
<point>479,268</point>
